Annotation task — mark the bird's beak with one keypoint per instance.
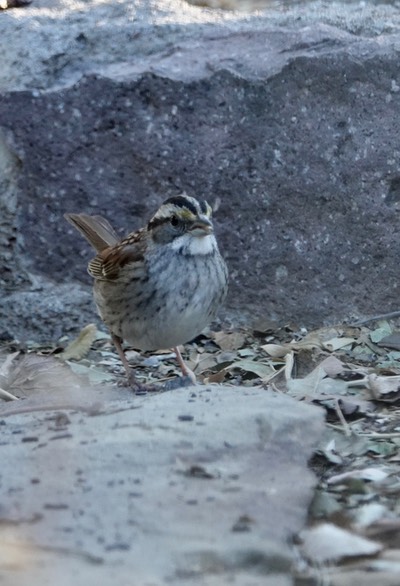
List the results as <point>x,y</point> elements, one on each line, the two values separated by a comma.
<point>202,226</point>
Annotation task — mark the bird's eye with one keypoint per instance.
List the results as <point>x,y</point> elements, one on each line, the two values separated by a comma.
<point>174,221</point>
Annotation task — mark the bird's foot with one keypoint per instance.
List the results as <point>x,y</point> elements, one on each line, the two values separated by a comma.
<point>140,388</point>
<point>177,383</point>
<point>136,386</point>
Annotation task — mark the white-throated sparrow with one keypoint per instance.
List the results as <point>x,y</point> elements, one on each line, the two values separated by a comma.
<point>160,286</point>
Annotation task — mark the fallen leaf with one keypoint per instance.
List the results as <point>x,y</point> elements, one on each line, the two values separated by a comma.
<point>317,386</point>
<point>246,352</point>
<point>387,530</point>
<point>277,350</point>
<point>391,341</point>
<point>217,377</point>
<point>391,362</point>
<point>380,333</point>
<point>324,504</point>
<point>205,362</point>
<point>265,326</point>
<point>80,347</point>
<point>289,364</point>
<point>6,365</point>
<point>330,452</point>
<point>229,340</point>
<point>258,368</point>
<point>384,388</point>
<point>369,513</point>
<point>332,366</point>
<point>369,474</point>
<point>94,375</point>
<point>350,405</point>
<point>32,373</point>
<point>328,543</point>
<point>382,448</point>
<point>337,343</point>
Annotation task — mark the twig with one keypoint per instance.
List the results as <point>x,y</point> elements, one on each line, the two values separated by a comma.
<point>366,435</point>
<point>7,396</point>
<point>90,409</point>
<point>342,419</point>
<point>335,427</point>
<point>375,317</point>
<point>380,435</point>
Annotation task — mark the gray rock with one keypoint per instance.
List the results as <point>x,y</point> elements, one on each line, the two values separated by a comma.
<point>133,488</point>
<point>288,118</point>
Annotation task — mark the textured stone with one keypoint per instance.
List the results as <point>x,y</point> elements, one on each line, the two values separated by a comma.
<point>133,488</point>
<point>288,119</point>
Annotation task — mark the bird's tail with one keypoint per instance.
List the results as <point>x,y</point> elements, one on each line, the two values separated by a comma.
<point>97,231</point>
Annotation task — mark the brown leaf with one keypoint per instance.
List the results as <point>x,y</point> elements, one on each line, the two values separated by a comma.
<point>217,377</point>
<point>229,340</point>
<point>79,347</point>
<point>32,373</point>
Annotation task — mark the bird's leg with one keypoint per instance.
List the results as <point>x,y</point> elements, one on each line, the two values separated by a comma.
<point>186,372</point>
<point>129,372</point>
<point>132,380</point>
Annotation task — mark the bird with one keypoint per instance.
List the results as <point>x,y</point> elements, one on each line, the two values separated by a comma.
<point>160,286</point>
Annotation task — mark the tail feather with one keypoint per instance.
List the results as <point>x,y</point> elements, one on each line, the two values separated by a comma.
<point>97,231</point>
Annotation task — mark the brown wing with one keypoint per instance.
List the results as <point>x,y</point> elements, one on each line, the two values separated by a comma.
<point>108,263</point>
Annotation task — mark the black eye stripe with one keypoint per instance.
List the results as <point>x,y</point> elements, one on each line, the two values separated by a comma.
<point>155,222</point>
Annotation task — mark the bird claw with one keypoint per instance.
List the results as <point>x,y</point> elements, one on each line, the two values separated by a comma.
<point>177,383</point>
<point>170,385</point>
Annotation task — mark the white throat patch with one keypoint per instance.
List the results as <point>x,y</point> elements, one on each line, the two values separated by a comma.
<point>195,244</point>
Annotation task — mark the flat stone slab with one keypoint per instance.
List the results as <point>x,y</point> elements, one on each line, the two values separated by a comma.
<point>204,485</point>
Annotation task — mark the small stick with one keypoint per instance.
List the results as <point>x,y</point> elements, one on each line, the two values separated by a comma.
<point>342,419</point>
<point>375,317</point>
<point>90,409</point>
<point>7,396</point>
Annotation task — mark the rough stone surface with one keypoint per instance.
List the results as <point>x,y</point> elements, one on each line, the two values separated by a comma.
<point>288,118</point>
<point>198,486</point>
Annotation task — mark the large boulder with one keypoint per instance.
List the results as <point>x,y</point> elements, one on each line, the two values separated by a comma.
<point>286,120</point>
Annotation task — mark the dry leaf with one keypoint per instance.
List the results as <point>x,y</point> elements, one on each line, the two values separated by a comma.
<point>289,363</point>
<point>258,368</point>
<point>95,375</point>
<point>229,340</point>
<point>206,361</point>
<point>391,341</point>
<point>384,388</point>
<point>326,542</point>
<point>337,342</point>
<point>217,377</point>
<point>332,366</point>
<point>323,339</point>
<point>32,374</point>
<point>265,326</point>
<point>380,333</point>
<point>79,347</point>
<point>351,405</point>
<point>371,474</point>
<point>316,339</point>
<point>6,365</point>
<point>277,350</point>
